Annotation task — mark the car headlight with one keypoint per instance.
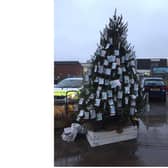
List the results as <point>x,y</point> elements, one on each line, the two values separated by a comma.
<point>72,95</point>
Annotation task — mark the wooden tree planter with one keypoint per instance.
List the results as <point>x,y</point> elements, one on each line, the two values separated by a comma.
<point>106,137</point>
<point>110,131</point>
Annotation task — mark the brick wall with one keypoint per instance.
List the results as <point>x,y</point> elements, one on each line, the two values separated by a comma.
<point>63,69</point>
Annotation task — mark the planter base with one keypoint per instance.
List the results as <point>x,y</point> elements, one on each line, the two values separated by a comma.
<point>106,137</point>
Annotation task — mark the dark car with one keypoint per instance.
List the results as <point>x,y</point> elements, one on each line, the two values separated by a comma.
<point>156,88</point>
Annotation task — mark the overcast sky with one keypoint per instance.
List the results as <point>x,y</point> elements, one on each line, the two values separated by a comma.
<point>78,23</point>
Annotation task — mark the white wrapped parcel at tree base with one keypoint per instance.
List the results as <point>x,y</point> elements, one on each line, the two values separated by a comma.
<point>70,133</point>
<point>106,137</point>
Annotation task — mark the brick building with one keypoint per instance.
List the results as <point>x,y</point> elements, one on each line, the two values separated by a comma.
<point>63,69</point>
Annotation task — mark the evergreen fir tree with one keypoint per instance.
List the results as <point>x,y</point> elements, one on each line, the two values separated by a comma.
<point>111,85</point>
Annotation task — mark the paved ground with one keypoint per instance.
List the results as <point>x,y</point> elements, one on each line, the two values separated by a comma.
<point>150,148</point>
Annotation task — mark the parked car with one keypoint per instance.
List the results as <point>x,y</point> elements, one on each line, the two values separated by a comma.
<point>67,90</point>
<point>156,87</point>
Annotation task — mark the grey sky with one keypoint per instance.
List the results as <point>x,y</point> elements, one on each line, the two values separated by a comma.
<point>78,23</point>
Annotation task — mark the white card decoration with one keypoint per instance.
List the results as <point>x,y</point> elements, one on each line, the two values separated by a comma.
<point>132,63</point>
<point>98,94</point>
<point>103,53</point>
<point>112,111</point>
<point>114,65</point>
<point>119,94</point>
<point>106,62</point>
<point>86,78</point>
<point>126,57</point>
<point>93,57</point>
<point>126,100</point>
<point>108,71</point>
<point>111,58</point>
<point>118,61</point>
<point>86,115</point>
<point>127,90</point>
<point>119,44</point>
<point>132,81</point>
<point>116,52</point>
<point>115,83</point>
<point>126,79</point>
<point>87,91</point>
<point>100,69</point>
<point>101,81</point>
<point>136,87</point>
<point>78,118</point>
<point>110,102</point>
<point>124,35</point>
<point>132,111</point>
<point>141,85</point>
<point>109,93</point>
<point>81,101</point>
<point>111,40</point>
<point>122,59</point>
<point>134,71</point>
<point>138,77</point>
<point>99,116</point>
<point>133,55</point>
<point>91,96</point>
<point>119,103</point>
<point>92,114</point>
<point>133,103</point>
<point>115,98</point>
<point>107,82</point>
<point>98,51</point>
<point>119,71</point>
<point>108,45</point>
<point>97,102</point>
<point>136,93</point>
<point>99,88</point>
<point>133,97</point>
<point>121,78</point>
<point>111,83</point>
<point>123,69</point>
<point>95,68</point>
<point>104,96</point>
<point>96,79</point>
<point>81,113</point>
<point>89,72</point>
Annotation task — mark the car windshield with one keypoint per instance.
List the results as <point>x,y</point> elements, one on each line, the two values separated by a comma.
<point>154,82</point>
<point>70,83</point>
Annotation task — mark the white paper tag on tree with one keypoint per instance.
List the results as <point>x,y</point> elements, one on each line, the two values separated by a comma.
<point>99,117</point>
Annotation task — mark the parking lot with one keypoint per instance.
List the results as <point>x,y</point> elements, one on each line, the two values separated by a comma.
<point>149,149</point>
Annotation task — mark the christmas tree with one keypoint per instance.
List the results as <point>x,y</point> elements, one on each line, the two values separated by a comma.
<point>111,85</point>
